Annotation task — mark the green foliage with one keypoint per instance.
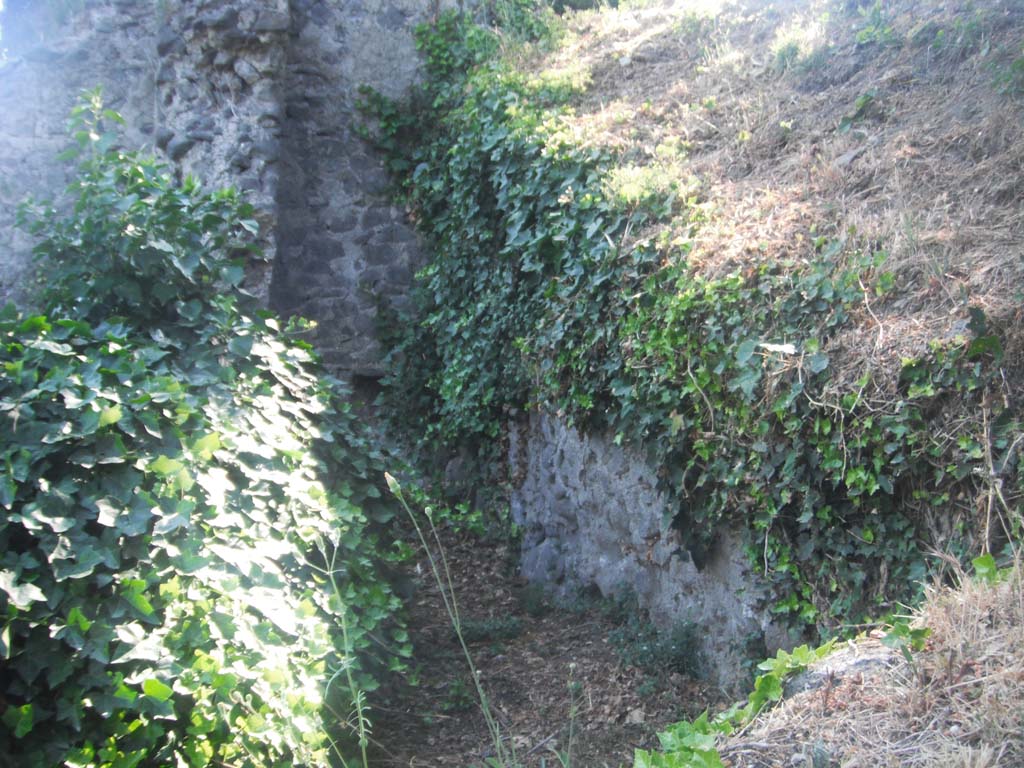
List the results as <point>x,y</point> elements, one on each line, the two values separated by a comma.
<point>905,639</point>
<point>691,744</point>
<point>533,599</point>
<point>876,26</point>
<point>985,568</point>
<point>724,383</point>
<point>864,108</point>
<point>525,20</point>
<point>453,45</point>
<point>1010,79</point>
<point>960,38</point>
<point>491,629</point>
<point>190,530</point>
<point>561,6</point>
<point>659,651</point>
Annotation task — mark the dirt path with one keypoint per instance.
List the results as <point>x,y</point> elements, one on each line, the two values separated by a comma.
<point>537,663</point>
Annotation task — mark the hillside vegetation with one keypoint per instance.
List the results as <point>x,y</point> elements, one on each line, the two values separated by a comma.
<point>777,247</point>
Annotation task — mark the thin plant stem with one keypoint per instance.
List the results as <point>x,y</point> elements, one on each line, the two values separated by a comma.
<point>505,758</point>
<point>346,667</point>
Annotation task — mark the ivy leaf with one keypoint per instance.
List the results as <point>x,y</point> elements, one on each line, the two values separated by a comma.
<point>769,687</point>
<point>745,351</point>
<point>5,642</point>
<point>21,595</point>
<point>818,362</point>
<point>165,466</point>
<point>20,719</point>
<point>241,346</point>
<point>157,689</point>
<point>985,568</point>
<point>110,415</point>
<point>205,446</point>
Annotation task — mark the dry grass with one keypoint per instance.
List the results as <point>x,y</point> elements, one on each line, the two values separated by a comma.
<point>958,704</point>
<point>744,101</point>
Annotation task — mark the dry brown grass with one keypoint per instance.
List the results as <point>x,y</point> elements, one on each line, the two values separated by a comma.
<point>747,98</point>
<point>958,704</point>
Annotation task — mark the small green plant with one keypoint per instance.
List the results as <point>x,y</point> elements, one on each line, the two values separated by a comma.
<point>864,108</point>
<point>906,639</point>
<point>786,56</point>
<point>575,690</point>
<point>958,40</point>
<point>640,644</point>
<point>1010,79</point>
<point>525,20</point>
<point>690,744</point>
<point>458,697</point>
<point>491,629</point>
<point>561,6</point>
<point>876,26</point>
<point>533,599</point>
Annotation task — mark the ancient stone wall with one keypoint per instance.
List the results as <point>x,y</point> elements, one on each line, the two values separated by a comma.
<point>343,247</point>
<point>51,60</point>
<point>259,94</point>
<point>591,515</point>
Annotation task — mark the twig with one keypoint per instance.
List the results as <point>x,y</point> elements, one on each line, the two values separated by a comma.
<point>711,411</point>
<point>540,744</point>
<point>867,305</point>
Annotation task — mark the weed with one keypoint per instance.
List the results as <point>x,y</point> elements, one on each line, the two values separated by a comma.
<point>865,107</point>
<point>561,6</point>
<point>458,697</point>
<point>492,629</point>
<point>786,55</point>
<point>1010,79</point>
<point>533,599</point>
<point>958,40</point>
<point>645,187</point>
<point>816,59</point>
<point>905,639</point>
<point>876,26</point>
<point>575,688</point>
<point>650,686</point>
<point>640,644</point>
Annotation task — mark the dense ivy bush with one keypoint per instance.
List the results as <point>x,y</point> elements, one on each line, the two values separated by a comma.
<point>191,530</point>
<point>532,297</point>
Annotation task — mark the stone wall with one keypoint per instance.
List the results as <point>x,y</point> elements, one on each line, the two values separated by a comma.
<point>342,246</point>
<point>259,94</point>
<point>51,60</point>
<point>591,515</point>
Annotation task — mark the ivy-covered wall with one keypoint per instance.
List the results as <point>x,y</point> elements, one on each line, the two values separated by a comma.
<point>542,298</point>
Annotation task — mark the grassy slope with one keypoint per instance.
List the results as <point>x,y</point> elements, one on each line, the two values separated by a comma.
<point>957,703</point>
<point>745,105</point>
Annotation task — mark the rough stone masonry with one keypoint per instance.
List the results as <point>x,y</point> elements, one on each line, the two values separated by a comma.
<point>258,94</point>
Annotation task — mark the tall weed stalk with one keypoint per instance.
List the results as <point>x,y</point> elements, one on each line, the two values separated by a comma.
<point>505,756</point>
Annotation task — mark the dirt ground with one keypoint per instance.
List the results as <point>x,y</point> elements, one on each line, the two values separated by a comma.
<point>537,666</point>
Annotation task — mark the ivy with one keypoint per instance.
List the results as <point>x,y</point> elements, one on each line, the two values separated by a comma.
<point>538,292</point>
<point>191,533</point>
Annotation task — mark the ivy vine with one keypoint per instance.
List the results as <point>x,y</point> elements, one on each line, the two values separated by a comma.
<point>191,528</point>
<point>538,293</point>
